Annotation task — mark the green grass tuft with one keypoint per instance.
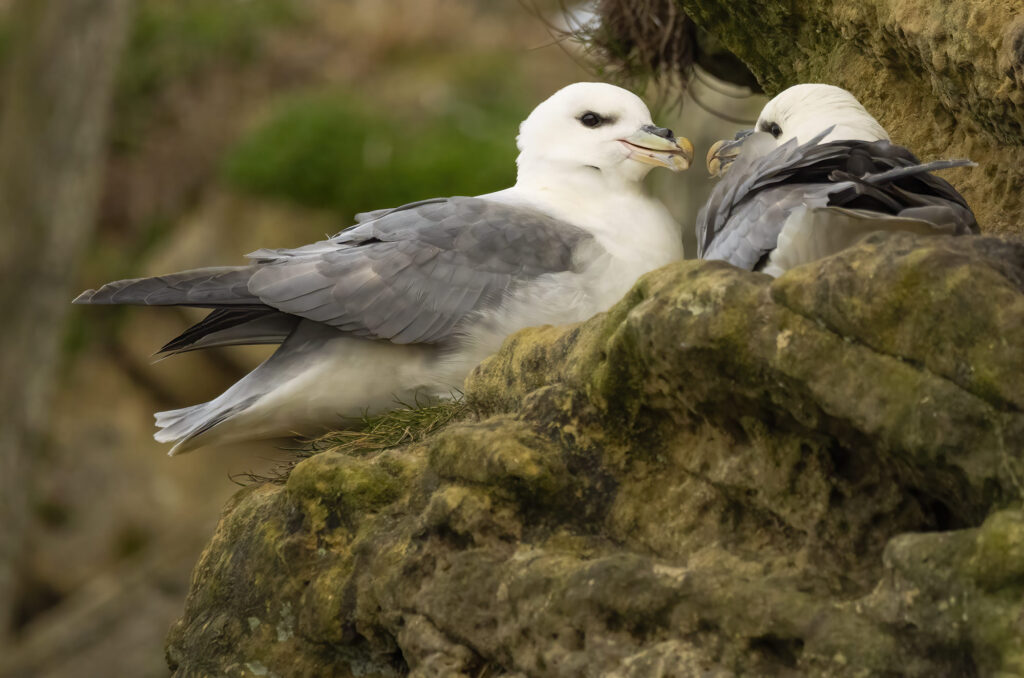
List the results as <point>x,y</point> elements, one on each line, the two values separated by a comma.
<point>408,424</point>
<point>391,429</point>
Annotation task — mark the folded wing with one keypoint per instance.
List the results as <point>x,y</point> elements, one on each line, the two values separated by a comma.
<point>779,199</point>
<point>411,274</point>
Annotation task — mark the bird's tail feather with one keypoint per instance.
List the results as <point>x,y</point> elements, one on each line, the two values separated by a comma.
<point>189,427</point>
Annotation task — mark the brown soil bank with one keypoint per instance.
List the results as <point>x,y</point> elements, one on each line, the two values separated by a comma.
<point>725,475</point>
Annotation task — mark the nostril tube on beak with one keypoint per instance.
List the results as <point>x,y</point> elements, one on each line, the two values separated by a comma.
<point>662,132</point>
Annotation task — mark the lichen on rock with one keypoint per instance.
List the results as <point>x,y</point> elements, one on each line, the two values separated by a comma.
<point>723,475</point>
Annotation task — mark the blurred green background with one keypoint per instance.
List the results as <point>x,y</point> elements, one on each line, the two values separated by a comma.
<point>235,125</point>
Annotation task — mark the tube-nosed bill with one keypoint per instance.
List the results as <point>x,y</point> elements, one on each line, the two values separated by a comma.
<point>723,152</point>
<point>658,146</point>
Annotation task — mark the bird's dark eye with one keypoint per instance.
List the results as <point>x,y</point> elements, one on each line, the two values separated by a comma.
<point>591,119</point>
<point>772,128</point>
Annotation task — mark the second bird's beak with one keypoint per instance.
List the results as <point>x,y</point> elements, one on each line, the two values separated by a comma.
<point>659,147</point>
<point>722,153</point>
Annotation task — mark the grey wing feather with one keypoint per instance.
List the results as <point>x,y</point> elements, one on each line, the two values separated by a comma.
<point>363,217</point>
<point>411,274</point>
<point>204,287</point>
<point>754,225</point>
<point>747,176</point>
<point>749,208</point>
<point>414,273</point>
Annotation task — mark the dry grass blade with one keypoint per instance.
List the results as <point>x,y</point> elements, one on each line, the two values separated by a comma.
<point>639,39</point>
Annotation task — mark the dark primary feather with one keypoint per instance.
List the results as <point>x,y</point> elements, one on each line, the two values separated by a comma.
<point>741,221</point>
<point>231,327</point>
<point>409,274</point>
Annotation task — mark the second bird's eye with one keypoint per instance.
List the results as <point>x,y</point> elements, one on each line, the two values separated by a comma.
<point>590,119</point>
<point>774,130</point>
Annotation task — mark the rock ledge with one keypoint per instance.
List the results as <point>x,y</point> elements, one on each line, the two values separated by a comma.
<point>724,475</point>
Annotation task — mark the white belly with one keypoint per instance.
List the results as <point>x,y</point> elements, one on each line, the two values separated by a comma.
<point>555,299</point>
<point>347,379</point>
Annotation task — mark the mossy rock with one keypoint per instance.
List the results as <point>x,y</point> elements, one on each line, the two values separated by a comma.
<point>723,475</point>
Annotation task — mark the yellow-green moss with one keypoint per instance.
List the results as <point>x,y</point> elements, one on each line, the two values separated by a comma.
<point>499,452</point>
<point>345,483</point>
<point>997,560</point>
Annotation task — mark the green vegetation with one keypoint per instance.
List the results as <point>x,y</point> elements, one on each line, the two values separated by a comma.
<point>336,151</point>
<point>391,429</point>
<point>176,40</point>
<point>407,424</point>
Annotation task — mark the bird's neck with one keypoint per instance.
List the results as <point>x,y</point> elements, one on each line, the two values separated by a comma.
<point>843,128</point>
<point>622,215</point>
<point>585,183</point>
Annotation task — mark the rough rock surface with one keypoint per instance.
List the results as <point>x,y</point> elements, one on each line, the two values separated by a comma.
<point>945,78</point>
<point>725,475</point>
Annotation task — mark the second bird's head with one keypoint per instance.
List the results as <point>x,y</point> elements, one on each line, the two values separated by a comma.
<point>801,112</point>
<point>596,127</point>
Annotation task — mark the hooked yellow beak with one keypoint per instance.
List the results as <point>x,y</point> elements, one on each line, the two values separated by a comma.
<point>723,152</point>
<point>659,147</point>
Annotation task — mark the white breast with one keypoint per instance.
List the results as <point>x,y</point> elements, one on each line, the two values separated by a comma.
<point>633,234</point>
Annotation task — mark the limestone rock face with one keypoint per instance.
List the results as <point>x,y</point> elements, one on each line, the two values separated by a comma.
<point>724,475</point>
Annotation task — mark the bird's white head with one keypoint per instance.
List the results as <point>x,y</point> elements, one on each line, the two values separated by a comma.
<point>597,129</point>
<point>803,111</point>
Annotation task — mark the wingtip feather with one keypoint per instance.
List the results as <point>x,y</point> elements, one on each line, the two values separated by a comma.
<point>84,298</point>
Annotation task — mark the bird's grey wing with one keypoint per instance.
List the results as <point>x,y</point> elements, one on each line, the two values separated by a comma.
<point>363,217</point>
<point>910,191</point>
<point>413,274</point>
<point>754,224</point>
<point>789,224</point>
<point>750,207</point>
<point>223,286</point>
<point>750,172</point>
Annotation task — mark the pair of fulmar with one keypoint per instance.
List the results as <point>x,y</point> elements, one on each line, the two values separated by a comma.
<point>403,304</point>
